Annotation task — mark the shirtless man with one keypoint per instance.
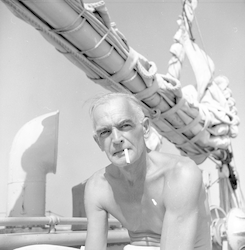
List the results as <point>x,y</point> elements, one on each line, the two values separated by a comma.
<point>159,198</point>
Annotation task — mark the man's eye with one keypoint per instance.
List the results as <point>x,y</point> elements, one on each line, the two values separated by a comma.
<point>104,133</point>
<point>126,126</point>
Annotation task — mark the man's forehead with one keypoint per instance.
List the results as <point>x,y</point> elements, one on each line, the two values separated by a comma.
<point>111,116</point>
<point>115,106</point>
<point>113,112</point>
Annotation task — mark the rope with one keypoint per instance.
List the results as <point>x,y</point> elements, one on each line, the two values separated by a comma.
<point>158,111</point>
<point>202,41</point>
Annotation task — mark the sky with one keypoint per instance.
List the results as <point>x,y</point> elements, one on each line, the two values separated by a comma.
<point>35,79</point>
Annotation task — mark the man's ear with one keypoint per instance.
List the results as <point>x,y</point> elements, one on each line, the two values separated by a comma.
<point>98,142</point>
<point>146,126</point>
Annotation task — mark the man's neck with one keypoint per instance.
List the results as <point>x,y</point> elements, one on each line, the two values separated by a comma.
<point>135,173</point>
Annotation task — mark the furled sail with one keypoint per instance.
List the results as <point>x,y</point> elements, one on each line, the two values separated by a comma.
<point>200,121</point>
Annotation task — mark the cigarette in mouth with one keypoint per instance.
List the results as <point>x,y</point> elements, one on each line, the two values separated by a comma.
<point>126,155</point>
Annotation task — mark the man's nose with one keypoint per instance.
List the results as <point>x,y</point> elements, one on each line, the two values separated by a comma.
<point>116,136</point>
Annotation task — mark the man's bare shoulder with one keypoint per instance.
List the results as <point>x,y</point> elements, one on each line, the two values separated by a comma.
<point>96,190</point>
<point>97,180</point>
<point>187,170</point>
<point>184,178</point>
<point>171,162</point>
<point>181,173</point>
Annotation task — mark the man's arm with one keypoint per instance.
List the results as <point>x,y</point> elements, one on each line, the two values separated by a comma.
<point>181,195</point>
<point>97,228</point>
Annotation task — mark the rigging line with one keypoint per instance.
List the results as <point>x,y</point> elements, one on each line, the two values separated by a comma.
<point>211,184</point>
<point>202,42</point>
<point>213,160</point>
<point>238,178</point>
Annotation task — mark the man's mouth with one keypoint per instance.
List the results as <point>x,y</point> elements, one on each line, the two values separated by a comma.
<point>117,153</point>
<point>121,153</point>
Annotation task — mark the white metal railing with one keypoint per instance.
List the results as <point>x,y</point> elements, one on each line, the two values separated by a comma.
<point>50,220</point>
<point>10,241</point>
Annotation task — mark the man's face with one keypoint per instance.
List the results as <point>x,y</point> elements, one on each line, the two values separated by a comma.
<point>117,128</point>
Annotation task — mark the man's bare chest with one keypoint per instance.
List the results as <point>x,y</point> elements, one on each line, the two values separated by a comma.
<point>139,211</point>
